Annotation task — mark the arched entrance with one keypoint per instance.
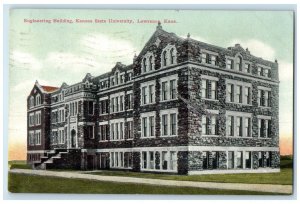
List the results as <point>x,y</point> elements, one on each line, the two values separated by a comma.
<point>73,138</point>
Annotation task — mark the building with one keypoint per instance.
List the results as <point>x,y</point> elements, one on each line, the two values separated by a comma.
<point>182,107</point>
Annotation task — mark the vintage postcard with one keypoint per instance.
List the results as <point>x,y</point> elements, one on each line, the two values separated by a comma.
<point>151,101</point>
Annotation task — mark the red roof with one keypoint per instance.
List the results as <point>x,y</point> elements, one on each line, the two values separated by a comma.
<point>50,88</point>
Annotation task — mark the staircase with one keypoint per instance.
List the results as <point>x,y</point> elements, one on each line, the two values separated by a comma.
<point>53,159</point>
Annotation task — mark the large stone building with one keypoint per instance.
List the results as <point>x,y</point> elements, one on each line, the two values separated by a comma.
<point>183,107</point>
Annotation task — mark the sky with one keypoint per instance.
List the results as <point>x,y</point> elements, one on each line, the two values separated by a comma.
<point>53,53</point>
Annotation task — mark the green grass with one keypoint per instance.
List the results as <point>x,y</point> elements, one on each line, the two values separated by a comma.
<point>18,164</point>
<point>22,183</point>
<point>285,177</point>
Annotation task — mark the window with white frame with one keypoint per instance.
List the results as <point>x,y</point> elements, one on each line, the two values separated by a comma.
<point>61,136</point>
<point>247,68</point>
<point>150,160</point>
<point>148,124</point>
<point>90,131</point>
<point>129,76</point>
<point>31,119</point>
<point>209,87</point>
<point>117,129</point>
<point>37,137</point>
<point>210,123</point>
<point>168,88</point>
<point>148,92</point>
<point>169,56</point>
<point>238,124</point>
<point>73,108</point>
<point>104,106</point>
<point>104,131</point>
<point>38,100</point>
<point>121,159</point>
<point>129,125</point>
<point>229,64</point>
<point>264,96</point>
<point>264,126</point>
<point>117,102</point>
<point>169,122</point>
<point>54,137</point>
<point>239,63</point>
<point>38,117</point>
<point>129,101</point>
<point>31,102</point>
<point>238,92</point>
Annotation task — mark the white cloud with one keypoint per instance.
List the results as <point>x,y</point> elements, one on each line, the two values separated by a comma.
<point>256,48</point>
<point>23,60</point>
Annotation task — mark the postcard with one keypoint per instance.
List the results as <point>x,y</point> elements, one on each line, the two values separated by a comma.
<point>151,101</point>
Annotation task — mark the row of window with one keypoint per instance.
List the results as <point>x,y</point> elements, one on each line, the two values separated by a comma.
<point>58,116</point>
<point>235,160</point>
<point>58,136</point>
<point>238,94</point>
<point>159,160</point>
<point>35,101</point>
<point>237,64</point>
<point>237,125</point>
<point>121,160</point>
<point>118,103</point>
<point>34,118</point>
<point>34,138</point>
<point>115,80</point>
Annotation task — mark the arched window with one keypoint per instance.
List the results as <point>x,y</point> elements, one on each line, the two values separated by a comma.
<point>31,101</point>
<point>145,65</point>
<point>38,100</point>
<point>165,58</point>
<point>239,63</point>
<point>150,63</point>
<point>172,54</point>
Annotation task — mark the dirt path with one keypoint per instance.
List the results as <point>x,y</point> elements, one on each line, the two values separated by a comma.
<point>211,185</point>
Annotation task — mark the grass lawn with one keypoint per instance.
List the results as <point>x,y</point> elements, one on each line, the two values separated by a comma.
<point>18,164</point>
<point>285,177</point>
<point>21,183</point>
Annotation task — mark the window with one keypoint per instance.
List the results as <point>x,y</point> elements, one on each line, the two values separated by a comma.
<point>230,160</point>
<point>151,63</point>
<point>38,137</point>
<point>151,93</point>
<point>239,64</point>
<point>112,105</point>
<point>269,129</point>
<point>168,56</point>
<point>144,65</point>
<point>90,107</point>
<point>247,95</point>
<point>247,68</point>
<point>229,64</point>
<point>151,126</point>
<point>264,98</point>
<point>164,58</point>
<point>172,54</point>
<point>259,71</point>
<point>104,130</point>
<point>230,125</point>
<point>144,95</point>
<point>247,127</point>
<point>239,160</point>
<point>144,127</point>
<point>164,160</point>
<point>117,131</point>
<point>204,125</point>
<point>31,138</point>
<point>121,103</point>
<point>121,131</point>
<point>129,101</point>
<point>209,125</point>
<point>213,60</point>
<point>165,125</point>
<point>103,107</point>
<point>127,159</point>
<point>173,123</point>
<point>90,131</point>
<point>144,156</point>
<point>266,73</point>
<point>230,95</point>
<point>213,90</point>
<point>215,159</point>
<point>129,75</point>
<point>31,102</point>
<point>248,160</point>
<point>205,159</point>
<point>173,160</point>
<point>239,94</point>
<point>239,126</point>
<point>151,160</point>
<point>204,57</point>
<point>38,100</point>
<point>260,159</point>
<point>164,91</point>
<point>204,88</point>
<point>129,129</point>
<point>112,129</point>
<point>172,89</point>
<point>122,78</point>
<point>117,104</point>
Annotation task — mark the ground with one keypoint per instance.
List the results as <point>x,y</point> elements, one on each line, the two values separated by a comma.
<point>29,183</point>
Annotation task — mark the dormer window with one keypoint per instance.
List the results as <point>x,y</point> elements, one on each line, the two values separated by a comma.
<point>239,63</point>
<point>169,56</point>
<point>38,99</point>
<point>229,64</point>
<point>165,58</point>
<point>148,62</point>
